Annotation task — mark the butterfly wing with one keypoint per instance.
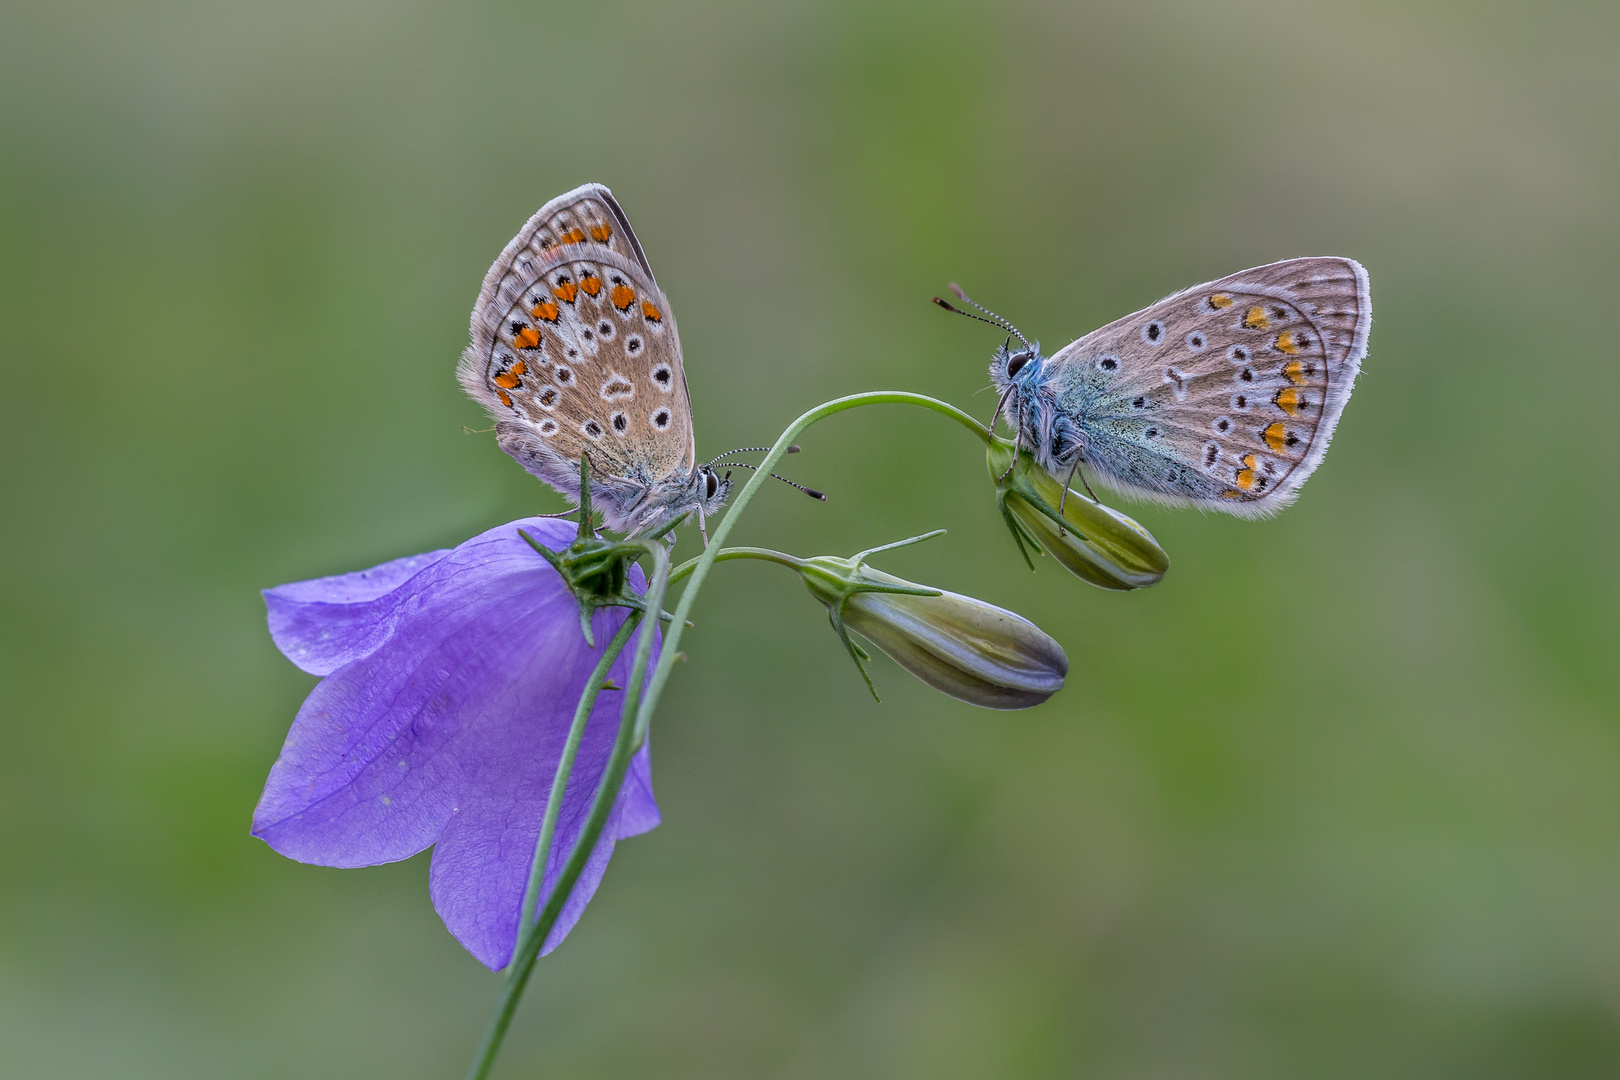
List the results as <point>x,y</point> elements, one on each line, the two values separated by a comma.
<point>1225,395</point>
<point>574,351</point>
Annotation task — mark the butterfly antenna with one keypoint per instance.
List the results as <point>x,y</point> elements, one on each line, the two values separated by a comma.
<point>794,449</point>
<point>993,320</point>
<point>812,492</point>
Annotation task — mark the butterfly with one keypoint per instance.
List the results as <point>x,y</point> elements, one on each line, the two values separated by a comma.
<point>1223,396</point>
<point>575,354</point>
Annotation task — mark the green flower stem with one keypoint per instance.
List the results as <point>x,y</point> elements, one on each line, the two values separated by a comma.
<point>684,570</point>
<point>532,935</point>
<point>670,651</point>
<point>565,768</point>
<point>641,706</point>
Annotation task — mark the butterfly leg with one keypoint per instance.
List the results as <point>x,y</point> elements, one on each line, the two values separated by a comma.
<point>1087,486</point>
<point>703,529</point>
<point>1018,439</point>
<point>1064,498</point>
<point>995,418</point>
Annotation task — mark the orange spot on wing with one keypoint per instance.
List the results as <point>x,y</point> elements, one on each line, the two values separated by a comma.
<point>1275,435</point>
<point>1255,319</point>
<point>526,338</point>
<point>546,311</point>
<point>566,292</point>
<point>591,284</point>
<point>651,313</point>
<point>1231,494</point>
<point>1220,300</point>
<point>1285,343</point>
<point>600,233</point>
<point>519,368</point>
<point>508,381</point>
<point>1289,400</point>
<point>1245,479</point>
<point>1248,461</point>
<point>623,296</point>
<point>1294,372</point>
<point>576,235</point>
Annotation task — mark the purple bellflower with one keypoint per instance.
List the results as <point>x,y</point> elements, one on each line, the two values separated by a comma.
<point>449,681</point>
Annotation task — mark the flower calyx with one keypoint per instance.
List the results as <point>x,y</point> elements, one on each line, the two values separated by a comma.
<point>596,570</point>
<point>1094,542</point>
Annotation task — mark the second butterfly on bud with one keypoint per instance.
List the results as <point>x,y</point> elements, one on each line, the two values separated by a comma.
<point>972,650</point>
<point>1092,541</point>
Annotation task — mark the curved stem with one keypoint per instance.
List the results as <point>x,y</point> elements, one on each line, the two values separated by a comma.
<point>565,767</point>
<point>639,706</point>
<point>667,655</point>
<point>684,570</point>
<point>532,936</point>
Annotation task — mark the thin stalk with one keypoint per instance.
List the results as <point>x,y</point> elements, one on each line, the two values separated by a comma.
<point>640,706</point>
<point>565,767</point>
<point>711,554</point>
<point>532,936</point>
<point>684,570</point>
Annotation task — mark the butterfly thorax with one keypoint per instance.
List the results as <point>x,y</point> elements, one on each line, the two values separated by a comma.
<point>1034,405</point>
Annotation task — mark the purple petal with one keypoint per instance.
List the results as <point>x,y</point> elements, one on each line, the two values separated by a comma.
<point>321,625</point>
<point>481,863</point>
<point>638,813</point>
<point>446,727</point>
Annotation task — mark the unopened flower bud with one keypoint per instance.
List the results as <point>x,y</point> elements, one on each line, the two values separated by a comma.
<point>973,651</point>
<point>1092,541</point>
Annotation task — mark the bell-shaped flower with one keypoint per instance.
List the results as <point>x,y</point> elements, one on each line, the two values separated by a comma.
<point>1094,542</point>
<point>449,683</point>
<point>972,650</point>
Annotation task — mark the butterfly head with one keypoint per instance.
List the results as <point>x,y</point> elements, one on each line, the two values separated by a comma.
<point>675,496</point>
<point>1017,365</point>
<point>711,490</point>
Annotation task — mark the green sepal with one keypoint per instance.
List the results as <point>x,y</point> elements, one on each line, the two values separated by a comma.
<point>596,570</point>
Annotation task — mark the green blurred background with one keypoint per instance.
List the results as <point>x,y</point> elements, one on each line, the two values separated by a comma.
<point>1338,799</point>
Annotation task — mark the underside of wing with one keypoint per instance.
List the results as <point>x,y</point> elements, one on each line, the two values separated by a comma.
<point>575,352</point>
<point>1223,396</point>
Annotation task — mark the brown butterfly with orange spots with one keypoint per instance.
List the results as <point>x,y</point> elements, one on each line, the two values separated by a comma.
<point>1223,396</point>
<point>574,352</point>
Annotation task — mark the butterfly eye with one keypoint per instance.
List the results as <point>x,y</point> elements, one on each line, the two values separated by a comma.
<point>712,485</point>
<point>1016,362</point>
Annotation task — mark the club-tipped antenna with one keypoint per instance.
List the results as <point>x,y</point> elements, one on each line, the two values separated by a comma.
<point>794,449</point>
<point>993,320</point>
<point>810,491</point>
